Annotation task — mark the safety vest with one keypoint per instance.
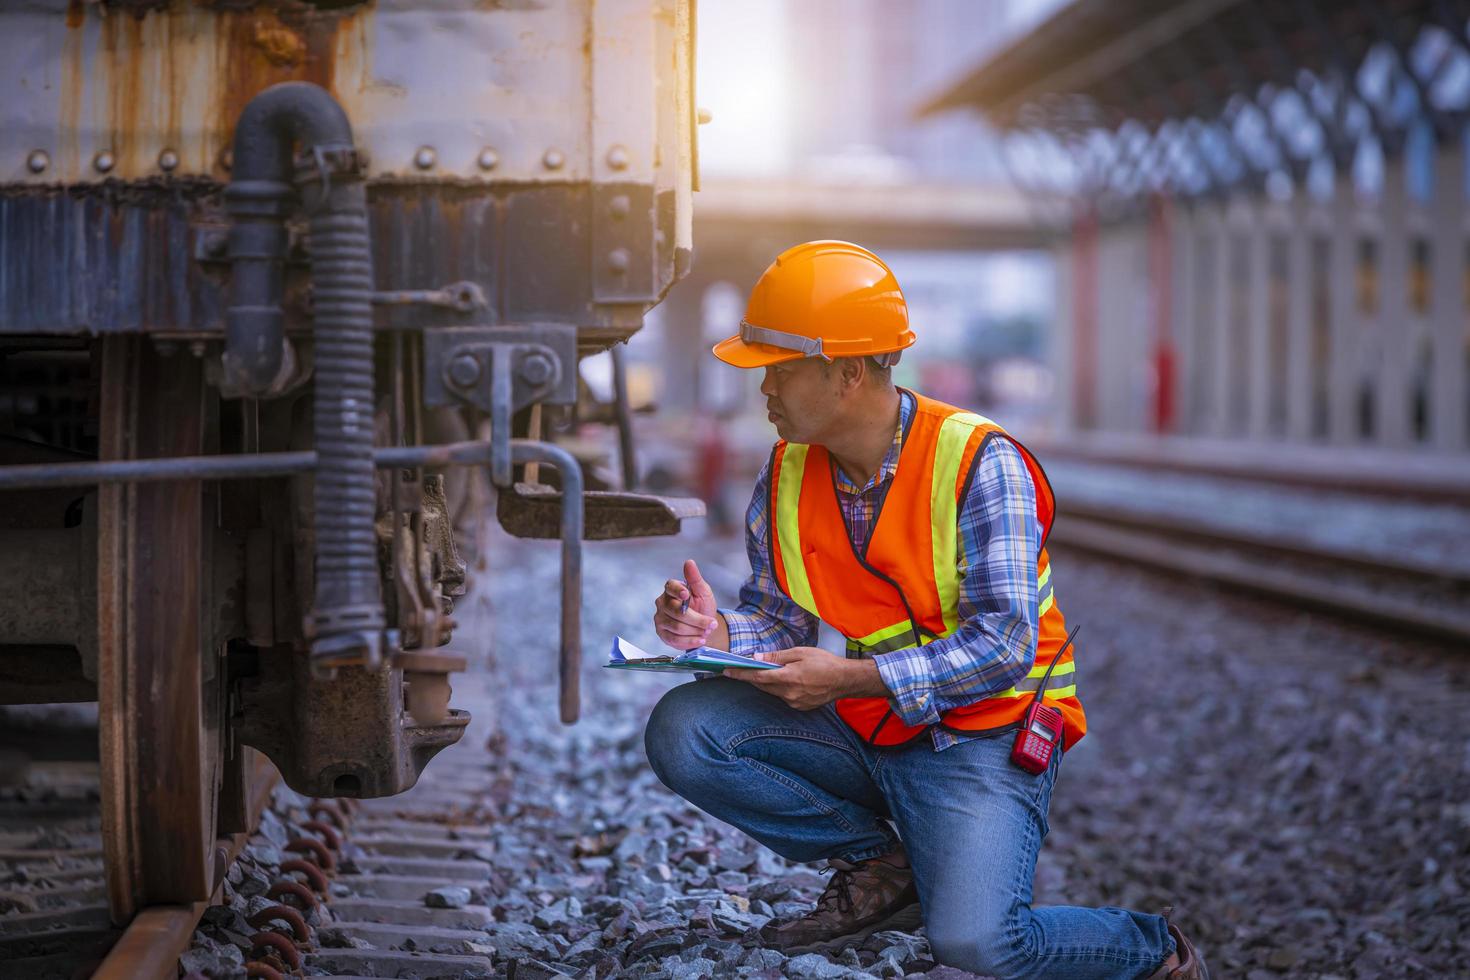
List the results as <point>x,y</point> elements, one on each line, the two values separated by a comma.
<point>903,589</point>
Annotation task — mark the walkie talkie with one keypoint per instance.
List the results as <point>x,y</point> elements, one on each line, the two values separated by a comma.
<point>1041,728</point>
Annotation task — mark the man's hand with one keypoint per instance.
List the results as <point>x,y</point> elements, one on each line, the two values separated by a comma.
<point>811,677</point>
<point>697,626</point>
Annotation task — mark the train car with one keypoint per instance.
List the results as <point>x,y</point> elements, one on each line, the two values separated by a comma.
<point>273,273</point>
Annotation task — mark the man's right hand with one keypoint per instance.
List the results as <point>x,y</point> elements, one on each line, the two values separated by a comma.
<point>695,626</point>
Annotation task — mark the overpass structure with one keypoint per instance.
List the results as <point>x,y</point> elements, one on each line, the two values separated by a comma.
<point>1268,213</point>
<point>740,225</point>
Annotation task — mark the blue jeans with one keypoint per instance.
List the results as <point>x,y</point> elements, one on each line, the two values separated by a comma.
<point>803,784</point>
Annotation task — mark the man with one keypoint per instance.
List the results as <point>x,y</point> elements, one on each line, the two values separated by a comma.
<point>917,531</point>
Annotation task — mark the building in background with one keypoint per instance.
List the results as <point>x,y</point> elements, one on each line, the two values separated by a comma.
<point>1266,211</point>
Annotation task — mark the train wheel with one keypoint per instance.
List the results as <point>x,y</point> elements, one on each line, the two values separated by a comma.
<point>158,701</point>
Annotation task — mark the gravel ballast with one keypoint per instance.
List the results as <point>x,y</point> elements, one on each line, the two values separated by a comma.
<point>1298,789</point>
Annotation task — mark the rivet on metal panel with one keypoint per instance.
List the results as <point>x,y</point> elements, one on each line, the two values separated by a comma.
<point>425,158</point>
<point>619,259</point>
<point>168,160</point>
<point>537,369</point>
<point>489,159</point>
<point>104,161</point>
<point>703,116</point>
<point>38,161</point>
<point>617,158</point>
<point>619,207</point>
<point>553,159</point>
<point>464,371</point>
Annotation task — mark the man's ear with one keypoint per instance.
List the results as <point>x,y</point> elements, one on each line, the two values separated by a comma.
<point>852,372</point>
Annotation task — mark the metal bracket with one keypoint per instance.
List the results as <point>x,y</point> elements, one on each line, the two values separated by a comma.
<point>462,297</point>
<point>624,229</point>
<point>500,370</point>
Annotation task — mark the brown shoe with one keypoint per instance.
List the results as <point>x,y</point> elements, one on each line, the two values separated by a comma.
<point>859,900</point>
<point>1191,965</point>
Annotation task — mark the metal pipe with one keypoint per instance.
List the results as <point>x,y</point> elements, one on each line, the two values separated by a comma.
<point>626,456</point>
<point>570,659</point>
<point>346,620</point>
<point>235,467</point>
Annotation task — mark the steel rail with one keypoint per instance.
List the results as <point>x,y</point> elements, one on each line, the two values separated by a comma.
<point>158,935</point>
<point>1249,562</point>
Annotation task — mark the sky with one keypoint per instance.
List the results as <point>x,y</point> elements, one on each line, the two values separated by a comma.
<point>744,81</point>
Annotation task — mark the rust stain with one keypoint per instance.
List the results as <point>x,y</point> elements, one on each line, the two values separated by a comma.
<point>280,45</point>
<point>263,47</point>
<point>76,13</point>
<point>73,81</point>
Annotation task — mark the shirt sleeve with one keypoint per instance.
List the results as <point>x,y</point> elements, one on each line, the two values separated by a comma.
<point>995,645</point>
<point>766,618</point>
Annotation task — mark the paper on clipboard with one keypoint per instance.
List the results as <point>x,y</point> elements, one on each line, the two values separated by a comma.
<point>630,656</point>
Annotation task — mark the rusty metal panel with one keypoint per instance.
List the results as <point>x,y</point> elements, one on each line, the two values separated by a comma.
<point>494,125</point>
<point>105,93</point>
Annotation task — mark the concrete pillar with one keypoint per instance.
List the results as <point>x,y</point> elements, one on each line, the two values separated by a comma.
<point>1388,343</point>
<point>1216,346</point>
<point>1342,303</point>
<point>1104,366</point>
<point>683,312</point>
<point>1449,392</point>
<point>1062,353</point>
<point>1254,389</point>
<point>1299,321</point>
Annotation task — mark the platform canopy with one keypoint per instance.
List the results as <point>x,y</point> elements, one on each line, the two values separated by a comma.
<point>1206,93</point>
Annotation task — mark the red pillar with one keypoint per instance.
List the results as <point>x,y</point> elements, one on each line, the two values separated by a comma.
<point>1160,273</point>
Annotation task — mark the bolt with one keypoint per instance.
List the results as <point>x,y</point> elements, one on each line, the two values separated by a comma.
<point>703,116</point>
<point>464,370</point>
<point>168,160</point>
<point>104,161</point>
<point>617,158</point>
<point>537,369</point>
<point>619,259</point>
<point>425,158</point>
<point>489,159</point>
<point>553,159</point>
<point>620,206</point>
<point>38,161</point>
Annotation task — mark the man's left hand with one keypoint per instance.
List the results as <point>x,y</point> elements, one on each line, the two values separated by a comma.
<point>811,677</point>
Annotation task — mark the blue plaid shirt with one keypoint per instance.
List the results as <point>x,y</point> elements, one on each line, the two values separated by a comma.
<point>999,543</point>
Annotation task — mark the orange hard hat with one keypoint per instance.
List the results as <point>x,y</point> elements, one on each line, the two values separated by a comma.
<point>821,299</point>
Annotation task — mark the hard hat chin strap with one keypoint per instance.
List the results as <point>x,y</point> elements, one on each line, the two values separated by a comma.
<point>808,346</point>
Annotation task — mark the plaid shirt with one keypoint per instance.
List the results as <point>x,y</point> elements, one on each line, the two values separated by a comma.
<point>999,542</point>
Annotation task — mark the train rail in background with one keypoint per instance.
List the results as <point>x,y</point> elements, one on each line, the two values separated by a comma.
<point>1372,472</point>
<point>1397,560</point>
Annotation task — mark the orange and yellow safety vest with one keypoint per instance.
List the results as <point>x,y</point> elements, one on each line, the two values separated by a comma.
<point>904,590</point>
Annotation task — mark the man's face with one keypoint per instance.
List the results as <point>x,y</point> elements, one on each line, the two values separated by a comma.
<point>803,399</point>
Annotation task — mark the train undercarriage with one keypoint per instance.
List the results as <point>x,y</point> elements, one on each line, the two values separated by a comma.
<point>258,391</point>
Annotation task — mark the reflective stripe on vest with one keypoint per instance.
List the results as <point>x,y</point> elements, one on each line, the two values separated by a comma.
<point>893,596</point>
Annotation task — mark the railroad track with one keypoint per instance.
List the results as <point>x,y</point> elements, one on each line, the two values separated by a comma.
<point>1386,591</point>
<point>325,887</point>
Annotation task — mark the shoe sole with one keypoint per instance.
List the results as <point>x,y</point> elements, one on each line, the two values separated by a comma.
<point>906,919</point>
